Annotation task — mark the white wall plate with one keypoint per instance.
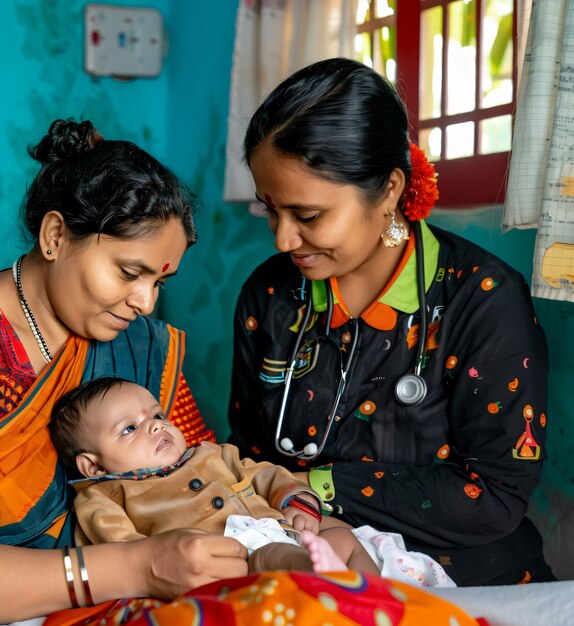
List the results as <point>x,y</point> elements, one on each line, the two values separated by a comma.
<point>126,42</point>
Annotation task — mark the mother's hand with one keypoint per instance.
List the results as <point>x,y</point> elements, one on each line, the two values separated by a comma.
<point>179,560</point>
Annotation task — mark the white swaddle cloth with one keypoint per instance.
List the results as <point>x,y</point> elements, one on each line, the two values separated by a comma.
<point>387,550</point>
<point>254,533</point>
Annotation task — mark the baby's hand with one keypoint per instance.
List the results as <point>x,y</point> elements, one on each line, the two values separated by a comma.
<point>300,520</point>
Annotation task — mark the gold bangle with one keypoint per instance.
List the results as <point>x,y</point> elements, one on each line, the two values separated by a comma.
<point>84,576</point>
<point>70,578</point>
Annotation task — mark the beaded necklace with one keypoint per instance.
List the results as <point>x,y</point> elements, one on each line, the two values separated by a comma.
<point>17,275</point>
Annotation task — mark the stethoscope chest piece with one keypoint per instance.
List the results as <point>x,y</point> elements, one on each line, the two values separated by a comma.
<point>410,389</point>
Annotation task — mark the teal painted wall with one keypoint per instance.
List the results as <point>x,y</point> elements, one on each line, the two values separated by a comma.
<point>42,79</point>
<point>201,298</point>
<point>181,118</point>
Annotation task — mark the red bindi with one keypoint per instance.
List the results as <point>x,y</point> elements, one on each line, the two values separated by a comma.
<point>164,268</point>
<point>269,201</point>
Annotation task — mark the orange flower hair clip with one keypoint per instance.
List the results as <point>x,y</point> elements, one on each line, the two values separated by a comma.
<point>421,193</point>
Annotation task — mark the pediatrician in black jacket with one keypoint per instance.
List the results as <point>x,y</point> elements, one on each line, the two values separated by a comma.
<point>399,365</point>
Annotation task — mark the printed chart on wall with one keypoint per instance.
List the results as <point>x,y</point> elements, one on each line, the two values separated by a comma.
<point>553,275</point>
<point>540,188</point>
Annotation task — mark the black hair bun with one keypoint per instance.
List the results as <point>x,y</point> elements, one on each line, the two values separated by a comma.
<point>66,139</point>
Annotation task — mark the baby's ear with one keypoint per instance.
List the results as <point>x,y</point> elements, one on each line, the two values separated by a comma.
<point>88,465</point>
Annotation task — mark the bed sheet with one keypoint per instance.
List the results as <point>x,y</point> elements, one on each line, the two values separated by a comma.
<point>535,604</point>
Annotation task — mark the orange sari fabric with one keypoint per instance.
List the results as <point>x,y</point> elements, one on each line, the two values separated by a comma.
<point>27,457</point>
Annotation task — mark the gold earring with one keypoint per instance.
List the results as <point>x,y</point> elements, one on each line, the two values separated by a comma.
<point>395,233</point>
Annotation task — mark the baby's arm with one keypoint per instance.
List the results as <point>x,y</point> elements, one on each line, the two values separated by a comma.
<point>299,504</point>
<point>273,482</point>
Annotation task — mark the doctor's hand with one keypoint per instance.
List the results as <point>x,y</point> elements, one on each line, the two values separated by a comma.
<point>173,562</point>
<point>300,520</point>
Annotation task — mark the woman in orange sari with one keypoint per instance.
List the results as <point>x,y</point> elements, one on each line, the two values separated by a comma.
<point>110,226</point>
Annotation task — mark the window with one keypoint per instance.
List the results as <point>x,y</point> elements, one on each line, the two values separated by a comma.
<point>453,61</point>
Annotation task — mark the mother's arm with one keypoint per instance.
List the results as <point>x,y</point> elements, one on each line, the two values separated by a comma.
<point>164,566</point>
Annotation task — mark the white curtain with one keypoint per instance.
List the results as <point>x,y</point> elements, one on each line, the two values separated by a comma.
<point>540,190</point>
<point>273,39</point>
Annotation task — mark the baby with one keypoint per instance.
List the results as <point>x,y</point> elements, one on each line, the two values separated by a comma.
<point>140,480</point>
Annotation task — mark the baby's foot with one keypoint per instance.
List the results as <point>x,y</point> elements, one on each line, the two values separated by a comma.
<point>323,557</point>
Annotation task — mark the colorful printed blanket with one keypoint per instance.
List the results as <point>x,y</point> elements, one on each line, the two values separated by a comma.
<point>282,599</point>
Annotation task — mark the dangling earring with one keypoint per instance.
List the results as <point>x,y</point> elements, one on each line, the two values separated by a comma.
<point>395,233</point>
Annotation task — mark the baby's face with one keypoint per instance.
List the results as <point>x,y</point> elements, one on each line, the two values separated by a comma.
<point>127,430</point>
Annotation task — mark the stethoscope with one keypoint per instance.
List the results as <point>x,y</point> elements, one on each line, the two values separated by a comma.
<point>410,389</point>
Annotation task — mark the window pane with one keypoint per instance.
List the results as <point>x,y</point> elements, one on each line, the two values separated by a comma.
<point>496,61</point>
<point>362,11</point>
<point>430,140</point>
<point>384,8</point>
<point>363,48</point>
<point>430,75</point>
<point>460,140</point>
<point>495,134</point>
<point>461,73</point>
<point>385,52</point>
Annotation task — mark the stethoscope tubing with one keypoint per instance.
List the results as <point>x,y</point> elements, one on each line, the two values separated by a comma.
<point>419,251</point>
<point>405,381</point>
<point>289,375</point>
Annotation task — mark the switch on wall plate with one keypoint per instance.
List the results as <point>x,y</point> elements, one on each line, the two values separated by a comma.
<point>125,42</point>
